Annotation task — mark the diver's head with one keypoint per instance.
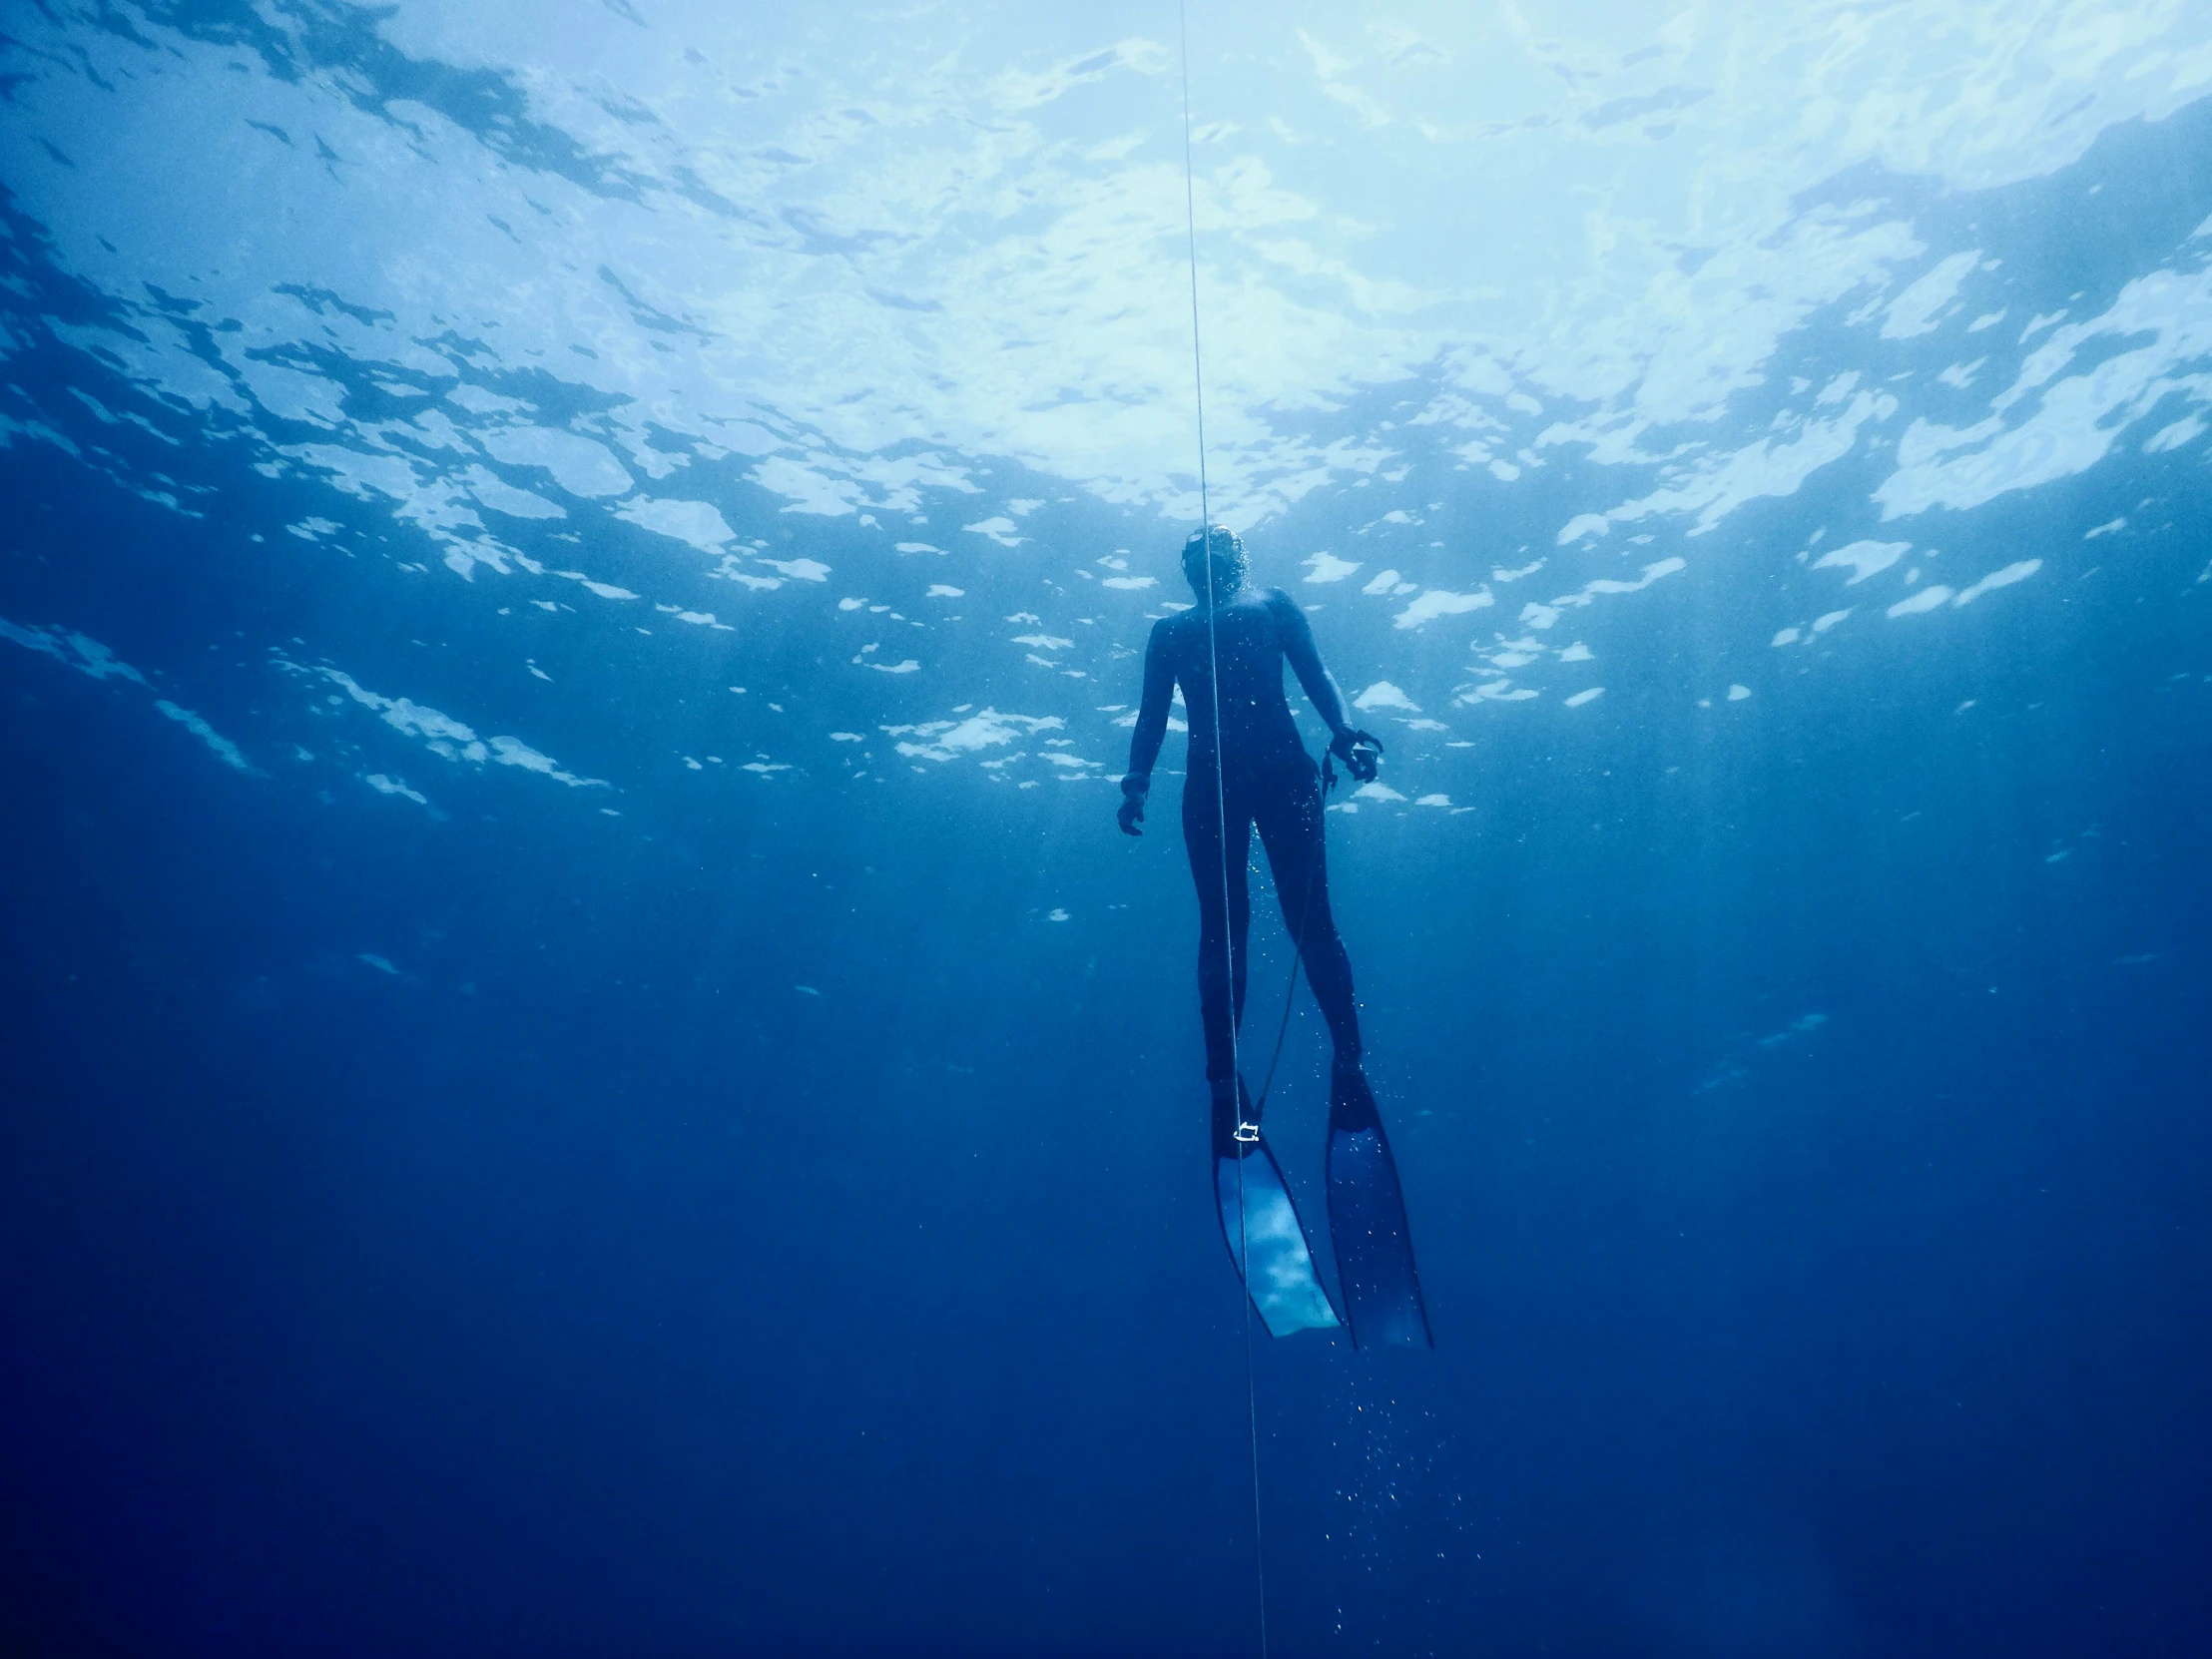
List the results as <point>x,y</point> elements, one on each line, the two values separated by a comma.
<point>1216,547</point>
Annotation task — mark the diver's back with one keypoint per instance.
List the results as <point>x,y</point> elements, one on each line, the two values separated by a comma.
<point>1247,640</point>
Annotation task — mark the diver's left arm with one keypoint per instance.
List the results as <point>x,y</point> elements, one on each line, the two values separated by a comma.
<point>1152,727</point>
<point>1347,742</point>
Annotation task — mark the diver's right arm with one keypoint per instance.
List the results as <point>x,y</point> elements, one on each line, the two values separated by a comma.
<point>1152,729</point>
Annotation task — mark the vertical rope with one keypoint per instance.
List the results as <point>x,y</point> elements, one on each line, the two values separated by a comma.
<point>1221,811</point>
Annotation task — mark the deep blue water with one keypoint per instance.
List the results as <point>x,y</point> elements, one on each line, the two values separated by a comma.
<point>614,1202</point>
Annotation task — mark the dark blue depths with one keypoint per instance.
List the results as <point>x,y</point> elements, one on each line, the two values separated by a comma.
<point>584,1288</point>
<point>1801,1116</point>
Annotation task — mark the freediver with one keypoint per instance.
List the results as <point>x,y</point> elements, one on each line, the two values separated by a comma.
<point>1264,778</point>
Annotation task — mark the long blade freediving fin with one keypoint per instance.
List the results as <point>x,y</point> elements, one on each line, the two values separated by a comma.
<point>1283,1283</point>
<point>1367,1222</point>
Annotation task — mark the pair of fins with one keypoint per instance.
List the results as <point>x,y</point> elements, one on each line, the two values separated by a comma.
<point>1367,1224</point>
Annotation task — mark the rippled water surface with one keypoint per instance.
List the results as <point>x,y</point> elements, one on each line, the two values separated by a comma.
<point>588,1073</point>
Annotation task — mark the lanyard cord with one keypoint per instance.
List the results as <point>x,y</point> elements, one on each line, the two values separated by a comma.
<point>1298,948</point>
<point>1221,809</point>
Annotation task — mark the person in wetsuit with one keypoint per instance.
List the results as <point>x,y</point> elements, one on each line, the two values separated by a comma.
<point>1262,776</point>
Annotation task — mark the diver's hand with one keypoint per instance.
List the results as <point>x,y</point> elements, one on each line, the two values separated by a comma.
<point>1359,751</point>
<point>1131,811</point>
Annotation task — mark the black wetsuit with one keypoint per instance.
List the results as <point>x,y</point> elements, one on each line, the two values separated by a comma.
<point>1264,777</point>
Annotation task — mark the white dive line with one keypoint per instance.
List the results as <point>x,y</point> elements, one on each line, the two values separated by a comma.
<point>1221,809</point>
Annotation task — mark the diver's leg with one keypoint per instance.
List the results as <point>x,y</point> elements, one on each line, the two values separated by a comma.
<point>1289,812</point>
<point>1236,799</point>
<point>1224,922</point>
